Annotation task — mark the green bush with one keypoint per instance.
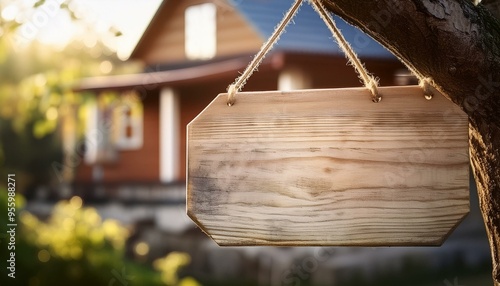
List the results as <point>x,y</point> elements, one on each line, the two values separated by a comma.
<point>74,246</point>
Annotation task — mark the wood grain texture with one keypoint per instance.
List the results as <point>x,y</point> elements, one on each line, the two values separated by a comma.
<point>329,167</point>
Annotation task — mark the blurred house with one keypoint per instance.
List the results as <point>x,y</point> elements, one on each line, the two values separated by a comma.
<point>193,50</point>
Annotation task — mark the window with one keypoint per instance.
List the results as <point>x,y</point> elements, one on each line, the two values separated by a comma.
<point>114,123</point>
<point>128,121</point>
<point>201,30</point>
<point>99,145</point>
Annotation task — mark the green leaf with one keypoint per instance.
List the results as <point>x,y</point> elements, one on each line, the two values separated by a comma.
<point>39,3</point>
<point>13,26</point>
<point>73,15</point>
<point>43,127</point>
<point>115,31</point>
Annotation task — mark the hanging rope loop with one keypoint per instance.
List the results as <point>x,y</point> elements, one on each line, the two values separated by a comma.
<point>369,81</point>
<point>254,64</point>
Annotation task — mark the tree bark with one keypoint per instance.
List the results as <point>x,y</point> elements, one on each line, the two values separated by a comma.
<point>457,46</point>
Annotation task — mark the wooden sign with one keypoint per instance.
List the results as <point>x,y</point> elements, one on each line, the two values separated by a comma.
<point>329,167</point>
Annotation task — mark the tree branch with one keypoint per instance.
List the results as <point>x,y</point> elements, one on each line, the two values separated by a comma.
<point>493,6</point>
<point>457,45</point>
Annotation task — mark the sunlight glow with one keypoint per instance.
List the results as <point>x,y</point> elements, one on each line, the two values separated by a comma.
<point>53,26</point>
<point>142,248</point>
<point>10,12</point>
<point>76,202</point>
<point>43,255</point>
<point>40,80</point>
<point>105,67</point>
<point>51,114</point>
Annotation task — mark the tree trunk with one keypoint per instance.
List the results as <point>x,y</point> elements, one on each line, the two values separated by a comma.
<point>457,46</point>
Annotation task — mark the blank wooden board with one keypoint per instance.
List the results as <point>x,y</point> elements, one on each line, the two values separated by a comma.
<point>329,167</point>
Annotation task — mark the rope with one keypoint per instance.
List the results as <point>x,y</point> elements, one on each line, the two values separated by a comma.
<point>368,80</point>
<point>254,64</point>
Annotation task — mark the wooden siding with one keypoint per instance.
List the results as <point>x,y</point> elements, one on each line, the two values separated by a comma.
<point>165,43</point>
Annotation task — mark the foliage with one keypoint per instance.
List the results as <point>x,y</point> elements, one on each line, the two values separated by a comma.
<point>38,83</point>
<point>21,155</point>
<point>76,246</point>
<point>37,93</point>
<point>170,266</point>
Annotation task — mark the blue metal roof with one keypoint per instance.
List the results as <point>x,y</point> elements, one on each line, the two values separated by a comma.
<point>307,32</point>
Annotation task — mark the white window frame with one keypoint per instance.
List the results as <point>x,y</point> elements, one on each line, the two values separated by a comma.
<point>99,144</point>
<point>201,31</point>
<point>135,120</point>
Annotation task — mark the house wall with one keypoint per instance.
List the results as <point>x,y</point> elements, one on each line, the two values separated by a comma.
<point>326,71</point>
<point>164,42</point>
